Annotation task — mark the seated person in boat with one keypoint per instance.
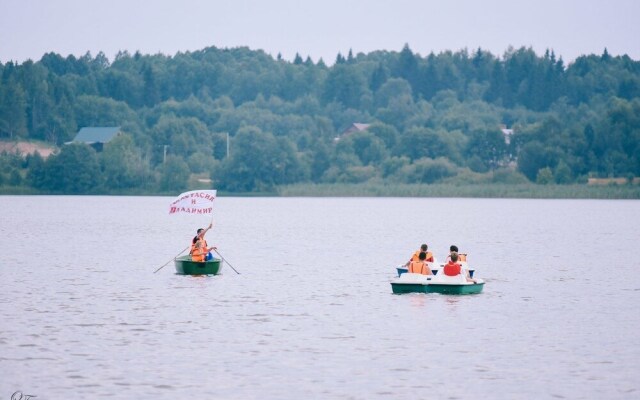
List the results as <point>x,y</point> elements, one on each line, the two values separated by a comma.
<point>462,257</point>
<point>420,266</point>
<point>199,252</point>
<point>423,249</point>
<point>452,268</point>
<point>200,236</point>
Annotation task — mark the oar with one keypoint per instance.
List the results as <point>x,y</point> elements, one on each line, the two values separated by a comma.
<point>226,261</point>
<point>172,260</point>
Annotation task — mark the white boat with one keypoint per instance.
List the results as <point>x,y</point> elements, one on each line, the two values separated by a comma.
<point>408,282</point>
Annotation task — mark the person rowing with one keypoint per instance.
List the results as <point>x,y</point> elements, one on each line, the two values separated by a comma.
<point>204,246</point>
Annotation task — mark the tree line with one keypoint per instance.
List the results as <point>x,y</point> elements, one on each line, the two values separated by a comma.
<point>251,122</point>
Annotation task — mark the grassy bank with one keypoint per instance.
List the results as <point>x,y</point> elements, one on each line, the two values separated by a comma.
<point>17,190</point>
<point>472,190</point>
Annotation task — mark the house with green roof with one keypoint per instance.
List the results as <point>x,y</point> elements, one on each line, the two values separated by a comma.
<point>96,137</point>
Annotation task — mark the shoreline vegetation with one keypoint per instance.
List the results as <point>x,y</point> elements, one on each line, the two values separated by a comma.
<point>495,191</point>
<point>386,123</point>
<point>525,191</point>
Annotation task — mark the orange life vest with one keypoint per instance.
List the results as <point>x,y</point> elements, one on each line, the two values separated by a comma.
<point>418,267</point>
<point>461,257</point>
<point>198,255</point>
<point>416,256</point>
<point>193,245</point>
<point>429,257</point>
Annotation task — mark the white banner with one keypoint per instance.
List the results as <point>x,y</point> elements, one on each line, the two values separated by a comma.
<point>194,202</point>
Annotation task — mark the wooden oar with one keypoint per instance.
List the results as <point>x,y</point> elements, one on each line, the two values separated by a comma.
<point>172,260</point>
<point>226,261</point>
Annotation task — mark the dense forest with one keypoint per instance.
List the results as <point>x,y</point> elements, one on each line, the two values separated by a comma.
<point>250,122</point>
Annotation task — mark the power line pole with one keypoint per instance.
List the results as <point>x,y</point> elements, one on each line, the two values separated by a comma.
<point>227,144</point>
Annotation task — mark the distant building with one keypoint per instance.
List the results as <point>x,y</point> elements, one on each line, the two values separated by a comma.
<point>507,133</point>
<point>355,127</point>
<point>96,137</point>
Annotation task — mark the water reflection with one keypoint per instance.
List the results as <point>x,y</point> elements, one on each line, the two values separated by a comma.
<point>417,300</point>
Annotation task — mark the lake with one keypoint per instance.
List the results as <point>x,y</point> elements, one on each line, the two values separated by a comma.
<point>311,313</point>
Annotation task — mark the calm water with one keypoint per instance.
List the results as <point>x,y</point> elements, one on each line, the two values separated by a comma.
<point>83,316</point>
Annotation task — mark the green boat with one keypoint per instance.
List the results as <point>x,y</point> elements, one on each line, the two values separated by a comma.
<point>417,283</point>
<point>184,266</point>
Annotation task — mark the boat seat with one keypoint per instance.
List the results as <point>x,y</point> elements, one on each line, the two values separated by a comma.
<point>408,277</point>
<point>442,278</point>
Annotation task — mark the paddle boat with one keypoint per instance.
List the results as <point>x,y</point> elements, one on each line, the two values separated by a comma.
<point>443,284</point>
<point>435,267</point>
<point>407,282</point>
<point>184,266</point>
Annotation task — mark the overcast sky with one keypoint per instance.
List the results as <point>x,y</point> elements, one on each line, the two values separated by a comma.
<point>321,28</point>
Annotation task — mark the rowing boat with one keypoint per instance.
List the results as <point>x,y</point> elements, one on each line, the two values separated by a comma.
<point>185,266</point>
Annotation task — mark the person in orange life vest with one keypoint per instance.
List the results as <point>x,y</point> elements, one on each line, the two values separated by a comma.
<point>199,252</point>
<point>200,236</point>
<point>420,266</point>
<point>423,249</point>
<point>462,257</point>
<point>452,268</point>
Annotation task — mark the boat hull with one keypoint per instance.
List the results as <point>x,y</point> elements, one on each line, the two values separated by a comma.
<point>184,266</point>
<point>402,288</point>
<point>455,289</point>
<point>443,284</point>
